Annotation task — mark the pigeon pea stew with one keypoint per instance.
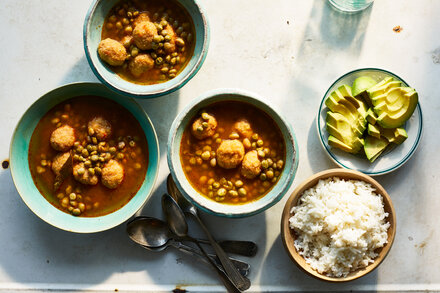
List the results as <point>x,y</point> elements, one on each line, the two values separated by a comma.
<point>147,42</point>
<point>232,152</point>
<point>88,156</point>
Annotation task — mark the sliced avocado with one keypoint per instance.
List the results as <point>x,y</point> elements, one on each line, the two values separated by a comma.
<point>373,130</point>
<point>374,147</point>
<point>378,98</point>
<point>393,135</point>
<point>334,142</point>
<point>342,95</point>
<point>358,144</point>
<point>354,148</point>
<point>344,92</point>
<point>340,128</point>
<point>360,87</point>
<point>361,84</point>
<point>400,135</point>
<point>371,117</point>
<point>347,109</point>
<point>387,133</point>
<point>381,88</point>
<point>342,125</point>
<point>397,107</point>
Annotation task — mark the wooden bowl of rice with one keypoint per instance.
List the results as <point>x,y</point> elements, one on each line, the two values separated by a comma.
<point>289,235</point>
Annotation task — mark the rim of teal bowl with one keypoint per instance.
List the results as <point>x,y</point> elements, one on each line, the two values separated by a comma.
<point>330,153</point>
<point>46,211</point>
<point>158,93</point>
<point>250,98</point>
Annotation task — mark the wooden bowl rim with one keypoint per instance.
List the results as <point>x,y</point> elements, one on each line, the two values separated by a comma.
<point>287,233</point>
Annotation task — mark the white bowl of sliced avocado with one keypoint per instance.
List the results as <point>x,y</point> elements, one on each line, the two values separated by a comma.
<point>370,120</point>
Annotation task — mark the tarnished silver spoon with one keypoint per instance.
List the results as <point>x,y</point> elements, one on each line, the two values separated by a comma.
<point>177,223</point>
<point>242,283</point>
<point>154,234</point>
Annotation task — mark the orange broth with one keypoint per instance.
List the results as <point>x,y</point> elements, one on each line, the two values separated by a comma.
<point>76,112</point>
<point>174,11</point>
<point>204,177</point>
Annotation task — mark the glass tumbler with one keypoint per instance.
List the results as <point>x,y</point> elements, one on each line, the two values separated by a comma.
<point>351,5</point>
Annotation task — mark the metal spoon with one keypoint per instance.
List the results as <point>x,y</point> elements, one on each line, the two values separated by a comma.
<point>153,234</point>
<point>245,248</point>
<point>177,223</point>
<point>242,283</point>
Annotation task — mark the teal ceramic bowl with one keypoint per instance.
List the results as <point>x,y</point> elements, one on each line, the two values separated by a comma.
<point>24,183</point>
<point>208,205</point>
<point>92,36</point>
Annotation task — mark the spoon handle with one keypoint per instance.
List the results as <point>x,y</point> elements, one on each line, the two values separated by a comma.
<point>241,266</point>
<point>245,248</point>
<point>230,286</point>
<point>242,283</point>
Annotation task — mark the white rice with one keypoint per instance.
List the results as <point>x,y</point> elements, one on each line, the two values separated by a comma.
<point>339,224</point>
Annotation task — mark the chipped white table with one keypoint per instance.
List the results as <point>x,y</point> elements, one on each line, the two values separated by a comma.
<point>290,52</point>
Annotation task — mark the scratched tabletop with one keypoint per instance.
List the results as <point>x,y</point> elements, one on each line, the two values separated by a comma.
<point>287,51</point>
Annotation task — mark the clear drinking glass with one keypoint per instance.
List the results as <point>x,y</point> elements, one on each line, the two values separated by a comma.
<point>351,5</point>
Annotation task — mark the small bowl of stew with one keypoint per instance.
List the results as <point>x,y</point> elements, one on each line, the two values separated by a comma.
<point>231,154</point>
<point>83,158</point>
<point>145,48</point>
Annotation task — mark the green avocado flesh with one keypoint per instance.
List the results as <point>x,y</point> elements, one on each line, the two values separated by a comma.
<point>369,115</point>
<point>360,87</point>
<point>394,109</point>
<point>392,135</point>
<point>345,121</point>
<point>373,130</point>
<point>392,103</point>
<point>374,147</point>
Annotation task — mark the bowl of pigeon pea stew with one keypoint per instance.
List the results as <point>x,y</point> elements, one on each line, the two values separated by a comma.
<point>231,154</point>
<point>83,158</point>
<point>145,48</point>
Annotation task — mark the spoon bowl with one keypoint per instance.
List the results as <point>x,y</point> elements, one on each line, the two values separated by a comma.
<point>149,232</point>
<point>175,216</point>
<point>241,283</point>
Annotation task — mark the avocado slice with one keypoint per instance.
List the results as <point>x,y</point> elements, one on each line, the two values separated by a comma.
<point>334,142</point>
<point>344,92</point>
<point>360,87</point>
<point>374,147</point>
<point>347,109</point>
<point>371,116</point>
<point>381,89</point>
<point>341,129</point>
<point>357,108</point>
<point>393,135</point>
<point>396,107</point>
<point>341,122</point>
<point>377,97</point>
<point>357,145</point>
<point>373,130</point>
<point>387,133</point>
<point>400,135</point>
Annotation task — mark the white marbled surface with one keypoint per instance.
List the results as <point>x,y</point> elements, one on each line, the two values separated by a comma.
<point>288,51</point>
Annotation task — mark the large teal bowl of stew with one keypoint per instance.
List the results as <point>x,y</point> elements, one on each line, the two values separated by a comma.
<point>23,177</point>
<point>206,169</point>
<point>122,83</point>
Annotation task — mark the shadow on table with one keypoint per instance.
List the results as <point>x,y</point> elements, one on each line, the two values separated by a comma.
<point>341,30</point>
<point>330,46</point>
<point>316,154</point>
<point>80,71</point>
